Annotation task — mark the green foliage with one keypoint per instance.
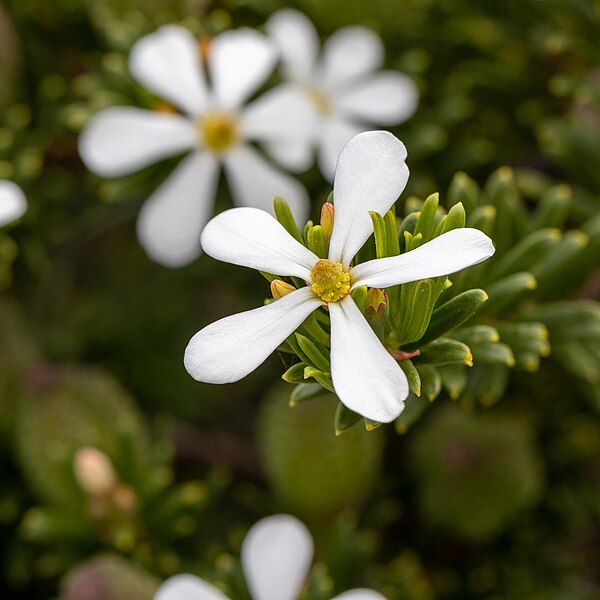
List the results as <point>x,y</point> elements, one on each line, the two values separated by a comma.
<point>511,83</point>
<point>476,472</point>
<point>465,333</point>
<point>139,511</point>
<point>110,578</point>
<point>313,473</point>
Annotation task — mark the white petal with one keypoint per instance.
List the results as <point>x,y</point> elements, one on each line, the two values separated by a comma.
<point>365,376</point>
<point>123,139</point>
<point>370,175</point>
<point>360,594</point>
<point>276,557</point>
<point>240,61</point>
<point>335,133</point>
<point>283,114</point>
<point>255,182</point>
<point>250,237</point>
<point>168,62</point>
<point>350,53</point>
<point>171,220</point>
<point>229,349</point>
<point>387,98</point>
<point>297,41</point>
<point>188,587</point>
<point>294,157</point>
<point>12,202</point>
<point>446,254</point>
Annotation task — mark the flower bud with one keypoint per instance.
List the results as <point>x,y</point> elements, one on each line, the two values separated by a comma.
<point>377,311</point>
<point>94,471</point>
<point>205,44</point>
<point>327,220</point>
<point>279,288</point>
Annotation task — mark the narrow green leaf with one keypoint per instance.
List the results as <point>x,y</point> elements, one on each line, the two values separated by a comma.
<point>284,215</point>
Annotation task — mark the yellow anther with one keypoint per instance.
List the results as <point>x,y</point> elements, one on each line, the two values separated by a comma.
<point>218,131</point>
<point>330,281</point>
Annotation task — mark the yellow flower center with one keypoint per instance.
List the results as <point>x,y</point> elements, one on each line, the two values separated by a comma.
<point>320,100</point>
<point>218,131</point>
<point>330,281</point>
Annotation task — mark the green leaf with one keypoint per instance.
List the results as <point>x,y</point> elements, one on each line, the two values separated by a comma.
<point>295,374</point>
<point>445,351</point>
<point>284,215</point>
<point>306,391</point>
<point>315,240</point>
<point>431,381</point>
<point>497,353</point>
<point>414,407</point>
<point>476,334</point>
<point>314,355</point>
<point>345,419</point>
<point>525,253</point>
<point>412,376</point>
<point>452,314</point>
<point>454,379</point>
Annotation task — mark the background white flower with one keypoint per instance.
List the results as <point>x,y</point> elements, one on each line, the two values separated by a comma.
<point>12,202</point>
<point>276,557</point>
<point>342,84</point>
<point>371,174</point>
<point>214,127</point>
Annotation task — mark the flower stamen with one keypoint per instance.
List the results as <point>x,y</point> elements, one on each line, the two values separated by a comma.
<point>320,100</point>
<point>218,131</point>
<point>330,281</point>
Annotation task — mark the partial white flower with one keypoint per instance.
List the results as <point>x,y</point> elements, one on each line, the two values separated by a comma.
<point>214,127</point>
<point>346,89</point>
<point>371,174</point>
<point>12,202</point>
<point>276,558</point>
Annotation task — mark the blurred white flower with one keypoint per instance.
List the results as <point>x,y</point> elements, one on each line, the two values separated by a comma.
<point>276,558</point>
<point>214,127</point>
<point>343,84</point>
<point>12,202</point>
<point>371,173</point>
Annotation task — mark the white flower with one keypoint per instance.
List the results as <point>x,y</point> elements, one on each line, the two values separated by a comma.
<point>276,558</point>
<point>12,202</point>
<point>371,174</point>
<point>215,128</point>
<point>342,84</point>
